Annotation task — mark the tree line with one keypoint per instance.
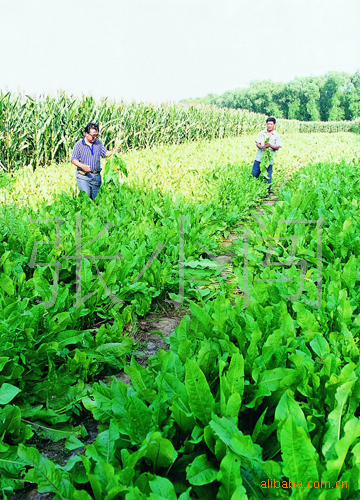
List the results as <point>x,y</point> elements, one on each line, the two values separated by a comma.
<point>332,97</point>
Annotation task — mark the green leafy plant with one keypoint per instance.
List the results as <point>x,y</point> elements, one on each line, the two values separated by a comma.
<point>240,397</point>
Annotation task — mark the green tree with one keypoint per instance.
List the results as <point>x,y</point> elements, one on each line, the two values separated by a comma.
<point>291,99</point>
<point>352,105</point>
<point>333,96</point>
<point>310,99</point>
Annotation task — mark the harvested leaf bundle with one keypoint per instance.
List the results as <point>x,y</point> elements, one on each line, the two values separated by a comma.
<point>267,157</point>
<point>114,167</point>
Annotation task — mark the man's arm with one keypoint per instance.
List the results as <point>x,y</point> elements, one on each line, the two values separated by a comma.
<point>268,145</point>
<point>110,152</point>
<point>260,146</point>
<point>83,166</point>
<point>277,142</point>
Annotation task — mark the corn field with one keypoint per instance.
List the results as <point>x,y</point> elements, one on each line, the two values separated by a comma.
<point>41,131</point>
<point>37,132</point>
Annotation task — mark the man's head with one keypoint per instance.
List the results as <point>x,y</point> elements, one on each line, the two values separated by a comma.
<point>270,123</point>
<point>91,132</point>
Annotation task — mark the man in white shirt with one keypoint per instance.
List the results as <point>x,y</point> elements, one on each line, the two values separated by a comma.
<point>274,143</point>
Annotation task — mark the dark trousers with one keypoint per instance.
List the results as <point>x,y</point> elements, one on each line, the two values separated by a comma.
<point>256,172</point>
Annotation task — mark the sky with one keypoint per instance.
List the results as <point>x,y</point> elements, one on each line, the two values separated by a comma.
<point>168,50</point>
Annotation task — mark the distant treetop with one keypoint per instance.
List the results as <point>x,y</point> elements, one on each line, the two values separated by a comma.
<point>332,97</point>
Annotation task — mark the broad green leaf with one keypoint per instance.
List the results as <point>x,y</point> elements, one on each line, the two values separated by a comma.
<point>184,419</point>
<point>230,435</point>
<point>306,320</point>
<point>240,494</point>
<point>320,345</point>
<point>42,286</point>
<point>185,495</point>
<point>202,316</point>
<point>207,356</point>
<point>116,349</point>
<point>126,474</point>
<point>201,471</point>
<point>185,350</point>
<point>332,435</point>
<point>162,488</point>
<point>235,375</point>
<point>95,485</point>
<point>10,420</point>
<point>171,363</point>
<point>173,387</point>
<point>103,449</point>
<point>55,434</point>
<point>47,477</point>
<point>3,361</point>
<point>10,463</point>
<point>141,422</point>
<point>288,406</point>
<point>134,494</point>
<point>73,443</point>
<point>244,447</point>
<point>333,467</point>
<point>7,393</point>
<point>298,453</point>
<point>229,476</point>
<point>344,308</point>
<point>349,272</point>
<point>100,403</point>
<point>209,438</point>
<point>201,400</point>
<point>160,451</point>
<point>272,380</point>
<point>109,480</point>
<point>233,407</point>
<point>328,494</point>
<point>6,284</point>
<point>142,380</point>
<point>182,330</point>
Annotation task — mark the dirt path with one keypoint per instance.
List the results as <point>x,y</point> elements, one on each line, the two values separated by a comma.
<point>226,258</point>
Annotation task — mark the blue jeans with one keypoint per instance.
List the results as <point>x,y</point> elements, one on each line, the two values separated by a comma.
<point>256,171</point>
<point>90,183</point>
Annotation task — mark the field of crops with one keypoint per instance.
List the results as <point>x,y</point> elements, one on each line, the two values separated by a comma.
<point>39,131</point>
<point>250,390</point>
<point>195,170</point>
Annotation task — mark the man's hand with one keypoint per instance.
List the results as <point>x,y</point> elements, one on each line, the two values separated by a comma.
<point>275,148</point>
<point>77,163</point>
<point>110,152</point>
<point>259,145</point>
